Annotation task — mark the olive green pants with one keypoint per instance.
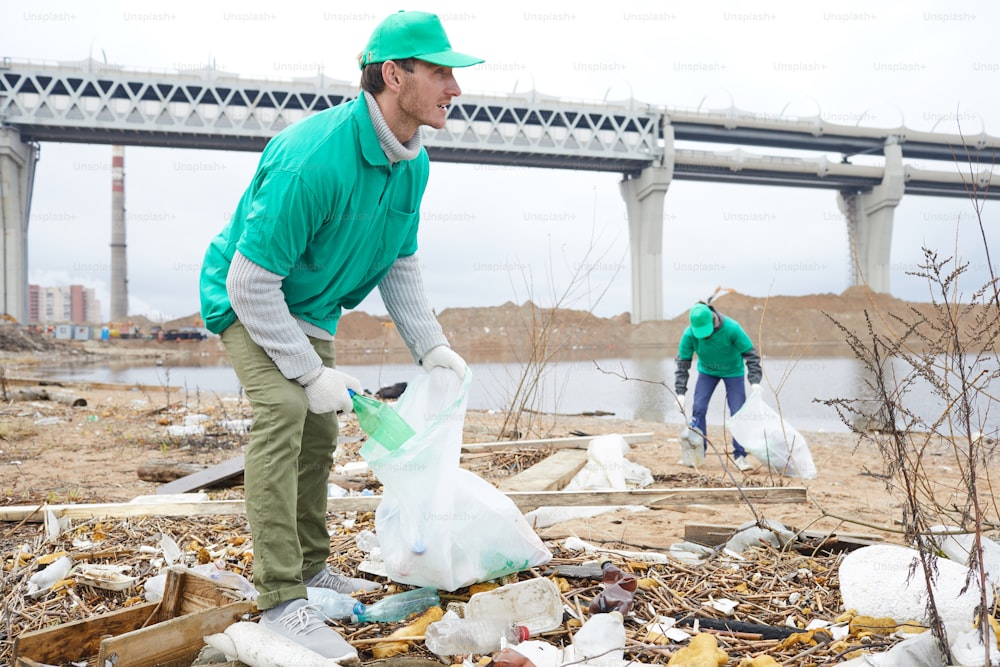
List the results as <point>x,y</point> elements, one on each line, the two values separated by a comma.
<point>286,471</point>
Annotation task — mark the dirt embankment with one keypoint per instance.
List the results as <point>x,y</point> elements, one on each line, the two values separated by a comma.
<point>782,325</point>
<point>813,325</point>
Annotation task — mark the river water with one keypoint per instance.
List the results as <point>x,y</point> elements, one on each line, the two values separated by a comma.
<point>627,387</point>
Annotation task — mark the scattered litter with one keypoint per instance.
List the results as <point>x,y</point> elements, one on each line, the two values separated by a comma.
<point>108,577</point>
<point>576,544</point>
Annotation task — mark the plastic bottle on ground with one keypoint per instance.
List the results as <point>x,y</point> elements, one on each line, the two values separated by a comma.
<point>534,603</point>
<point>381,421</point>
<point>463,636</point>
<point>398,606</point>
<point>617,593</point>
<point>334,604</point>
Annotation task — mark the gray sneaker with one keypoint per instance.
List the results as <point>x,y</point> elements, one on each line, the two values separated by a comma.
<point>743,463</point>
<point>303,623</point>
<point>338,581</point>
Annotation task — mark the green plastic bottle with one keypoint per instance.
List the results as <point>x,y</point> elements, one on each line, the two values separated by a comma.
<point>381,421</point>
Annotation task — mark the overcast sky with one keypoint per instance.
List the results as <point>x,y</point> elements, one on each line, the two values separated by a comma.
<point>489,234</point>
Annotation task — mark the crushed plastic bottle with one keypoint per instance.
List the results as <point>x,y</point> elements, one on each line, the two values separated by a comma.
<point>465,636</point>
<point>534,603</point>
<point>334,604</point>
<point>617,593</point>
<point>381,421</point>
<point>398,606</point>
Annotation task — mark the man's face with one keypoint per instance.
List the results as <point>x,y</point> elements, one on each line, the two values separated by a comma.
<point>426,92</point>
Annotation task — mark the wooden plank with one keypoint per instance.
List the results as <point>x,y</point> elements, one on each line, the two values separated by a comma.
<point>525,500</point>
<point>713,534</point>
<point>530,500</point>
<point>174,639</point>
<point>550,474</point>
<point>78,639</point>
<point>579,441</point>
<point>203,478</point>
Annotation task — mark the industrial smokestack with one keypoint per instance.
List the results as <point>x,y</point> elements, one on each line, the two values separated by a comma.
<point>119,270</point>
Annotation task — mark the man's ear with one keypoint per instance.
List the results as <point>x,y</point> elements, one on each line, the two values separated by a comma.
<point>392,75</point>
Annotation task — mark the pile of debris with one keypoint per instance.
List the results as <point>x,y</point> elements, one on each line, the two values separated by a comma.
<point>764,600</point>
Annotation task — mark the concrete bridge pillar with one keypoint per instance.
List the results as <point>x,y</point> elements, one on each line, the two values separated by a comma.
<point>644,196</point>
<point>869,222</point>
<point>17,176</point>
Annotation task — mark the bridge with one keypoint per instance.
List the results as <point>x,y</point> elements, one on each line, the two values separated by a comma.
<point>97,103</point>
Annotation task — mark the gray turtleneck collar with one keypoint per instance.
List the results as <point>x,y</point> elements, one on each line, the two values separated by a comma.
<point>394,149</point>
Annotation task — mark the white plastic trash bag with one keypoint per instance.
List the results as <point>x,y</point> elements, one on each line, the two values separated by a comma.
<point>438,524</point>
<point>771,439</point>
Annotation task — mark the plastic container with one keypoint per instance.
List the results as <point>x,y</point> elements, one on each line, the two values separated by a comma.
<point>381,421</point>
<point>617,593</point>
<point>334,604</point>
<point>464,636</point>
<point>533,603</point>
<point>600,641</point>
<point>217,572</point>
<point>692,447</point>
<point>398,606</point>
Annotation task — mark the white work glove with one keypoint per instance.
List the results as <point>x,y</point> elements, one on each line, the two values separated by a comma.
<point>445,357</point>
<point>328,391</point>
<point>680,402</point>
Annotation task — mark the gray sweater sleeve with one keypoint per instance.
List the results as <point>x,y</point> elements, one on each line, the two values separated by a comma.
<point>256,297</point>
<point>402,291</point>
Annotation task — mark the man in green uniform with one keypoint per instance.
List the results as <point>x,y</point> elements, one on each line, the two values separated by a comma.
<point>725,353</point>
<point>331,213</point>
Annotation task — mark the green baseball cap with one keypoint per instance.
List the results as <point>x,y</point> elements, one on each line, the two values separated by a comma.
<point>413,35</point>
<point>702,321</point>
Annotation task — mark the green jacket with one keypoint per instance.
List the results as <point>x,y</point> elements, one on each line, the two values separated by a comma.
<point>327,211</point>
<point>727,352</point>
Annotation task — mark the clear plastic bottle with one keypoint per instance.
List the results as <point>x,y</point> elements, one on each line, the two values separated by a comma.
<point>464,636</point>
<point>398,606</point>
<point>381,421</point>
<point>534,603</point>
<point>334,604</point>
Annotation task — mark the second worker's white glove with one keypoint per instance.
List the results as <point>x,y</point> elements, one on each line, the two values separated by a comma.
<point>445,357</point>
<point>680,402</point>
<point>328,391</point>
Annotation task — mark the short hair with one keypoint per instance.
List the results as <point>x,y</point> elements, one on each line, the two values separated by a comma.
<point>371,75</point>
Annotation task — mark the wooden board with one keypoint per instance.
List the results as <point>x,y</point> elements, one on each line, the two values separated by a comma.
<point>525,500</point>
<point>78,639</point>
<point>579,442</point>
<point>550,474</point>
<point>713,535</point>
<point>153,633</point>
<point>175,639</point>
<point>204,478</point>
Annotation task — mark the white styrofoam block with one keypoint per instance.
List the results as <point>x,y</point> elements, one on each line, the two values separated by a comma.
<point>880,581</point>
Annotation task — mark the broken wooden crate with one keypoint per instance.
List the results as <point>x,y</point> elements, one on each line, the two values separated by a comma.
<point>168,633</point>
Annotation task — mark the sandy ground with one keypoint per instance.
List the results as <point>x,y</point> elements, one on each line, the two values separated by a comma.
<point>58,453</point>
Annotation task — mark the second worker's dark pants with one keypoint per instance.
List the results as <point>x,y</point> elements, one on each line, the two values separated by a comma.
<point>736,396</point>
